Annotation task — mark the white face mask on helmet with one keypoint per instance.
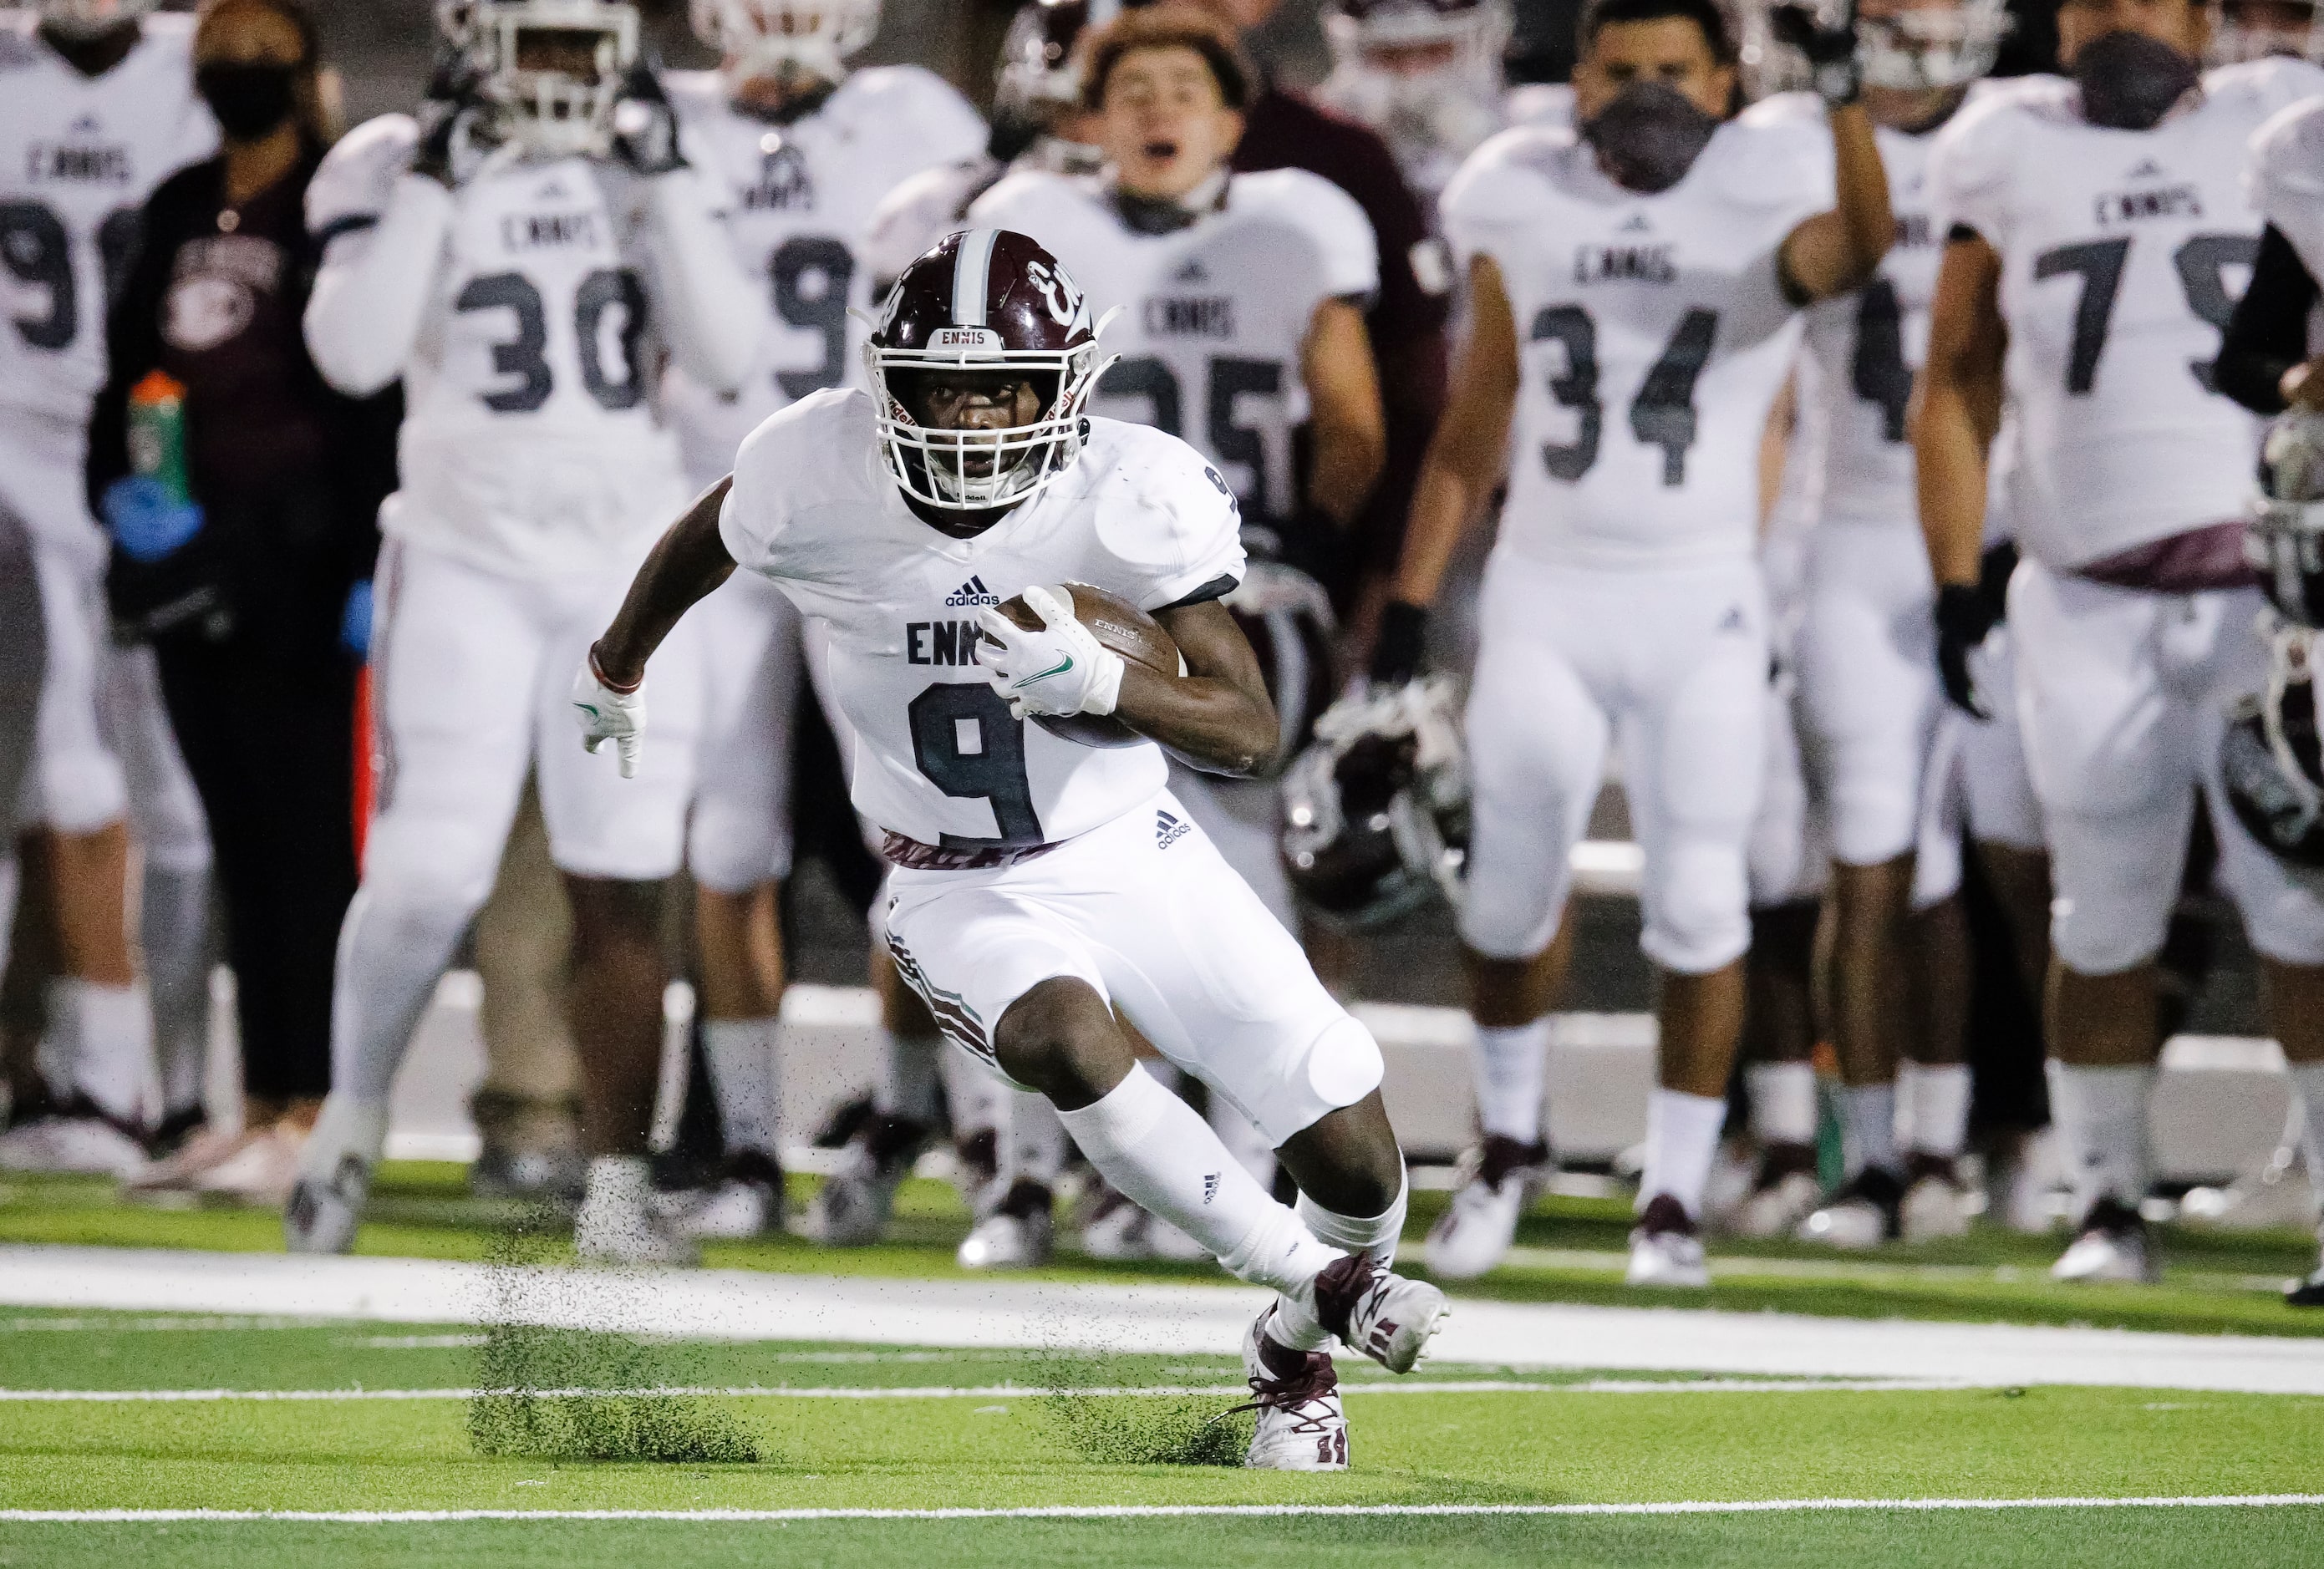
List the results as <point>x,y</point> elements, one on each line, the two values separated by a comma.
<point>2240,36</point>
<point>796,39</point>
<point>1449,107</point>
<point>547,111</point>
<point>1932,46</point>
<point>80,19</point>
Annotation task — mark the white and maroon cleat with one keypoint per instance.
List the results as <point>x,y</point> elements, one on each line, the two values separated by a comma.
<point>1376,1311</point>
<point>1296,1394</point>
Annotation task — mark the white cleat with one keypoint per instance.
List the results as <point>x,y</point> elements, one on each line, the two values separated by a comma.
<point>1377,1312</point>
<point>852,1208</point>
<point>77,1142</point>
<point>1933,1208</point>
<point>1296,1394</point>
<point>1862,1215</point>
<point>1664,1250</point>
<point>1778,1209</point>
<point>333,1178</point>
<point>1477,1230</point>
<point>1018,1235</point>
<point>619,1223</point>
<point>1118,1230</point>
<point>746,1202</point>
<point>261,1170</point>
<point>2112,1247</point>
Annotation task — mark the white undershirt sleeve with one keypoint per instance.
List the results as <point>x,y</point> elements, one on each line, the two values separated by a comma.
<point>714,318</point>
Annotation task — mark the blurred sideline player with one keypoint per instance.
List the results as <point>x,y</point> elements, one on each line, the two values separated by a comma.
<point>1866,666</point>
<point>1242,299</point>
<point>520,256</point>
<point>2095,227</point>
<point>97,107</point>
<point>2267,363</point>
<point>1426,74</point>
<point>802,149</point>
<point>2249,29</point>
<point>1634,291</point>
<point>1040,883</point>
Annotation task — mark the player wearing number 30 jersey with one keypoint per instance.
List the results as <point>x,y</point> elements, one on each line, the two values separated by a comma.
<point>1635,294</point>
<point>1041,883</point>
<point>2097,229</point>
<point>521,268</point>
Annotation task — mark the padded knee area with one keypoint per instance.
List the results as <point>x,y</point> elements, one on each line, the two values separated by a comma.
<point>1698,909</point>
<point>2115,885</point>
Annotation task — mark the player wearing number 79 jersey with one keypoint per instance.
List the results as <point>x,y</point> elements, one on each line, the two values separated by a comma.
<point>2097,227</point>
<point>1635,292</point>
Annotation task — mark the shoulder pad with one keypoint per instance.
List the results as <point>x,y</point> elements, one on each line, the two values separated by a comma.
<point>1785,108</point>
<point>2267,84</point>
<point>1026,198</point>
<point>1502,179</point>
<point>1325,214</point>
<point>2287,157</point>
<point>358,173</point>
<point>18,50</point>
<point>913,105</point>
<point>695,95</point>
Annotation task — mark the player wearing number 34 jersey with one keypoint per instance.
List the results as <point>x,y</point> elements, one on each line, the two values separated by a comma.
<point>1042,884</point>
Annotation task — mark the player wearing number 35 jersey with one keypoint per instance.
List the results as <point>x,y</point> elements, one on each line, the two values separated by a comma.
<point>2097,230</point>
<point>1041,883</point>
<point>1635,293</point>
<point>522,269</point>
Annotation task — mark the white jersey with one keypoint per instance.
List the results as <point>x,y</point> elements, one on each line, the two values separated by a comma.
<point>531,441</point>
<point>2122,252</point>
<point>938,758</point>
<point>79,156</point>
<point>798,200</point>
<point>2286,180</point>
<point>1867,347</point>
<point>1654,335</point>
<point>1215,316</point>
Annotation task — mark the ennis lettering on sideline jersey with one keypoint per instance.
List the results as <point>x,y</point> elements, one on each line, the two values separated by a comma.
<point>79,156</point>
<point>798,198</point>
<point>1653,335</point>
<point>2121,255</point>
<point>1215,313</point>
<point>532,443</point>
<point>938,757</point>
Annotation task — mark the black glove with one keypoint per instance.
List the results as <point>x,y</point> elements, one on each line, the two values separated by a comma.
<point>453,98</point>
<point>645,127</point>
<point>1993,575</point>
<point>1396,651</point>
<point>1830,50</point>
<point>1964,616</point>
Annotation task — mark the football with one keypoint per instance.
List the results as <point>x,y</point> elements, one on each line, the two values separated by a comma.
<point>1122,627</point>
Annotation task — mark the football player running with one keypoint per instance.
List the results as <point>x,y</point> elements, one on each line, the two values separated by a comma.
<point>1865,651</point>
<point>97,107</point>
<point>803,147</point>
<point>519,255</point>
<point>2095,226</point>
<point>1041,883</point>
<point>1634,289</point>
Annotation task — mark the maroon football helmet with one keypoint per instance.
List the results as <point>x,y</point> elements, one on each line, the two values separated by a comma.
<point>983,299</point>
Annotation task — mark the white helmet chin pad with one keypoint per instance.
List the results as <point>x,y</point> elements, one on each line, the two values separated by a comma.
<point>90,18</point>
<point>547,111</point>
<point>785,38</point>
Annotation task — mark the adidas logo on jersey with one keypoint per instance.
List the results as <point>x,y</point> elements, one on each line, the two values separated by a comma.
<point>1168,831</point>
<point>1637,223</point>
<point>2147,169</point>
<point>552,189</point>
<point>1191,270</point>
<point>972,592</point>
<point>1210,1186</point>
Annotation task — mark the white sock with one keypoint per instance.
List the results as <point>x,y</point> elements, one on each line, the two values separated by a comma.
<point>1376,1234</point>
<point>1682,1140</point>
<point>346,1126</point>
<point>619,1182</point>
<point>2101,1115</point>
<point>174,929</point>
<point>389,962</point>
<point>1512,1068</point>
<point>2308,1084</point>
<point>913,1087</point>
<point>1244,1140</point>
<point>1933,1098</point>
<point>1035,1148</point>
<point>1783,1102</point>
<point>113,1048</point>
<point>1867,1127</point>
<point>973,1093</point>
<point>1155,1151</point>
<point>746,1079</point>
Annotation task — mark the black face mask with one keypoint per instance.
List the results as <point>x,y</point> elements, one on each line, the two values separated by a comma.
<point>2129,81</point>
<point>1649,136</point>
<point>249,100</point>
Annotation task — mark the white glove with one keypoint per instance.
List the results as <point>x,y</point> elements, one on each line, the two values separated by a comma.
<point>605,715</point>
<point>1061,669</point>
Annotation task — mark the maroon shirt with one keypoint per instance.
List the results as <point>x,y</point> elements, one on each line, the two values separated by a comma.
<point>1406,322</point>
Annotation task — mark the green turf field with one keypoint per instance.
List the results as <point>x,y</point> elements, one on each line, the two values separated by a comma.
<point>841,1428</point>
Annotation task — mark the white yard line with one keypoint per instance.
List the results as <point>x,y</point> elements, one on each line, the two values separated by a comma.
<point>1170,1319</point>
<point>991,1391</point>
<point>1151,1511</point>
